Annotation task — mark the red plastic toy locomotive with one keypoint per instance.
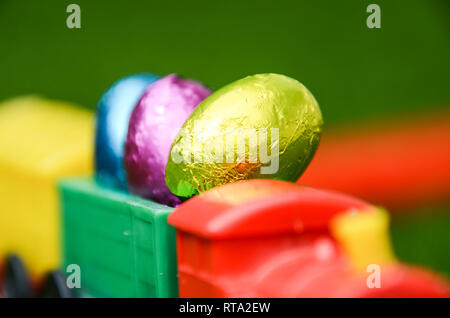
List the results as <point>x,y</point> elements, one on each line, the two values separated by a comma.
<point>265,238</point>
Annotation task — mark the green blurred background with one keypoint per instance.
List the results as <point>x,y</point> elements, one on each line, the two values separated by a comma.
<point>353,71</point>
<point>356,73</point>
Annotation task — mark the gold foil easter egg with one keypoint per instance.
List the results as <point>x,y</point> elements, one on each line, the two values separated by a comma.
<point>262,126</point>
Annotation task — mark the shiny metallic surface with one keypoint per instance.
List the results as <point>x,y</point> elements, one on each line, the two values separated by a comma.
<point>154,123</point>
<point>267,113</point>
<point>113,113</point>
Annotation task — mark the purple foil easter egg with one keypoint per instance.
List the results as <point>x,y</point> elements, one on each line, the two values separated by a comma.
<point>154,123</point>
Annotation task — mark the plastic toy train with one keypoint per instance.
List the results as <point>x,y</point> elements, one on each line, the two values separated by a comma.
<point>41,141</point>
<point>122,243</point>
<point>254,238</point>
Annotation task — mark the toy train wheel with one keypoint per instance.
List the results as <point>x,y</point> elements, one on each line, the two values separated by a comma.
<point>54,286</point>
<point>16,281</point>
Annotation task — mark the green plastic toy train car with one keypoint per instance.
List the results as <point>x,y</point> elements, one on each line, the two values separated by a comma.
<point>113,237</point>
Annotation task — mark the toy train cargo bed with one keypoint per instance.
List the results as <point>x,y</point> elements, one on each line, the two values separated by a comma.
<point>122,243</point>
<point>40,141</point>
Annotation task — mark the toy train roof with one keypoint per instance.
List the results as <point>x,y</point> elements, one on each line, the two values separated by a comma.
<point>261,207</point>
<point>44,137</point>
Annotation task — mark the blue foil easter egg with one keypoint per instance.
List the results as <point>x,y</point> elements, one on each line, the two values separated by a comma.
<point>113,113</point>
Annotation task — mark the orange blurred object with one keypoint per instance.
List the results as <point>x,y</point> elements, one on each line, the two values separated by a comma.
<point>399,164</point>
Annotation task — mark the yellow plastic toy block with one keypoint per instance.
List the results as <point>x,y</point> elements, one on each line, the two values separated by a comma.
<point>365,236</point>
<point>41,141</point>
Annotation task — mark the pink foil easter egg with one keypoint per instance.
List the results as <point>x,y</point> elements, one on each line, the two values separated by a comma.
<point>154,123</point>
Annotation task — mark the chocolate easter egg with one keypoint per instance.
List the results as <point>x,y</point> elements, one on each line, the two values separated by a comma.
<point>262,126</point>
<point>113,114</point>
<point>154,123</point>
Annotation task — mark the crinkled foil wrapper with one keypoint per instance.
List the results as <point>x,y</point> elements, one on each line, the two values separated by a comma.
<point>113,114</point>
<point>262,126</point>
<point>154,123</point>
